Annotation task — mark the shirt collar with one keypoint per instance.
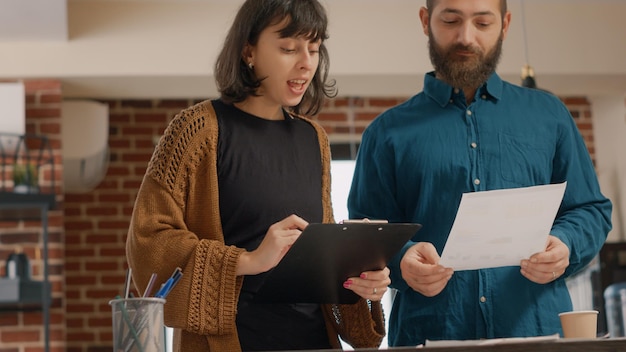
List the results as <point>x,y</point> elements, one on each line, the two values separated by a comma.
<point>441,92</point>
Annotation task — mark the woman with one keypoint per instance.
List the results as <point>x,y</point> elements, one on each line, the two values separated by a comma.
<point>232,184</point>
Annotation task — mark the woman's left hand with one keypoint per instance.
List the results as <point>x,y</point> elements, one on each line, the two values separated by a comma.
<point>370,285</point>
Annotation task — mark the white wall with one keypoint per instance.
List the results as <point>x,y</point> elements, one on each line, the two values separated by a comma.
<point>13,121</point>
<point>609,124</point>
<point>162,48</point>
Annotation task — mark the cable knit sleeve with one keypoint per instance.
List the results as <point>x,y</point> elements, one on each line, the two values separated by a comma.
<point>176,223</point>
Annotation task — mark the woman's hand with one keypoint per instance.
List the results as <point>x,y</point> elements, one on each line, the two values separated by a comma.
<point>278,239</point>
<point>370,285</point>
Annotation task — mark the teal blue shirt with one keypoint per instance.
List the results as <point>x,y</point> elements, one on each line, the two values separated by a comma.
<point>417,159</point>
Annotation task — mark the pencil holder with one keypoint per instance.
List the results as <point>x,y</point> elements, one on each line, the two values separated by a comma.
<point>138,325</point>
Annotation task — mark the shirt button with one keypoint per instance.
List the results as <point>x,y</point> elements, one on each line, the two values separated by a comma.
<point>476,182</point>
<point>483,299</point>
<point>484,97</point>
<point>474,145</point>
<point>456,91</point>
<point>451,101</point>
<point>469,113</point>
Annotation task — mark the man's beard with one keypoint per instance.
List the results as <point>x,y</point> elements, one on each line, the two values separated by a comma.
<point>464,72</point>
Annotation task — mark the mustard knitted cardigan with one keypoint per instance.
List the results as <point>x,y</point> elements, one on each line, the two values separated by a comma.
<point>176,223</point>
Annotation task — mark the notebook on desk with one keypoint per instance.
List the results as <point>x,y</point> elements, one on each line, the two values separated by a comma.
<point>325,255</point>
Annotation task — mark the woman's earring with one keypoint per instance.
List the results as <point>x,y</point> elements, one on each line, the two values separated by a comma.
<point>250,65</point>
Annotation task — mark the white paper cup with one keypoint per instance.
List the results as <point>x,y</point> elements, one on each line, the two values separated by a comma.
<point>581,324</point>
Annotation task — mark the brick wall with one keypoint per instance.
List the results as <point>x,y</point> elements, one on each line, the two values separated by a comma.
<point>95,223</point>
<point>23,331</point>
<point>580,108</point>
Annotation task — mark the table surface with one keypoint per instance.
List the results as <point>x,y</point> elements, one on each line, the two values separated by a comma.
<point>560,345</point>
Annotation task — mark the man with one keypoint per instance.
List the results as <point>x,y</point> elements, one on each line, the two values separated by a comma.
<point>469,131</point>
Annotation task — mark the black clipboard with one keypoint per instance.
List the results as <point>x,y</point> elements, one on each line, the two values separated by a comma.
<point>325,255</point>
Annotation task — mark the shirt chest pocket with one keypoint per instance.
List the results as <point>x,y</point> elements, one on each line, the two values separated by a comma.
<point>525,160</point>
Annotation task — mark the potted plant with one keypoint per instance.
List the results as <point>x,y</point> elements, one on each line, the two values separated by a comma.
<point>25,178</point>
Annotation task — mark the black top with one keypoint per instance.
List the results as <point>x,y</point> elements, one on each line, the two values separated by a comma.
<point>268,170</point>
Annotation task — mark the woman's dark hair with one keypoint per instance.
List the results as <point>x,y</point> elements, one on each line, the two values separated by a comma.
<point>236,81</point>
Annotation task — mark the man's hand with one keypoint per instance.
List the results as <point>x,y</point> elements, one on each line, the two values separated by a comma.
<point>549,265</point>
<point>421,270</point>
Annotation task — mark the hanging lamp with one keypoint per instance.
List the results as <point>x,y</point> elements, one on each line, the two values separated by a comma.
<point>528,74</point>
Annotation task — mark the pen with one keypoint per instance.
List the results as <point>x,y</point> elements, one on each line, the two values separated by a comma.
<point>150,285</point>
<point>127,282</point>
<point>130,324</point>
<point>169,284</point>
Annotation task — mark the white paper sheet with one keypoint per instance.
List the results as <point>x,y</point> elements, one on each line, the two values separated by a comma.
<point>501,227</point>
<point>487,342</point>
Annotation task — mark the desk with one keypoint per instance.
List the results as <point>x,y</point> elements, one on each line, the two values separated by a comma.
<point>560,345</point>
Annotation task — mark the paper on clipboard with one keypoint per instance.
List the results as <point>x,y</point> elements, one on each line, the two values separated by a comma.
<point>501,227</point>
